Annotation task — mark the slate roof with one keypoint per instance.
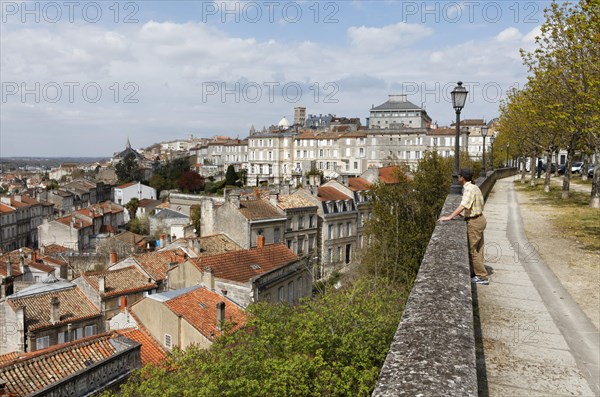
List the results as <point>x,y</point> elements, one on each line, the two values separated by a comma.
<point>254,210</point>
<point>397,105</point>
<point>34,371</point>
<point>198,307</point>
<point>244,265</point>
<point>167,213</point>
<point>120,281</point>
<point>74,306</point>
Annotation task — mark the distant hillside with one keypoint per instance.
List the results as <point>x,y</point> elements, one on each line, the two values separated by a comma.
<point>12,163</point>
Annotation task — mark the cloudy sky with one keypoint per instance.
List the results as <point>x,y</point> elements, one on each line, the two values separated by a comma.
<point>79,78</point>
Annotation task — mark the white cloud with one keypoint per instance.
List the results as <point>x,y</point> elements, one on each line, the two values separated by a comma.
<point>509,34</point>
<point>387,38</point>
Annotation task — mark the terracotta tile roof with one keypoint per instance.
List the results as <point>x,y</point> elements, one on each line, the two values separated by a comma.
<point>52,261</point>
<point>152,352</point>
<point>74,306</point>
<point>387,175</point>
<point>5,208</point>
<point>294,201</point>
<point>77,222</point>
<point>34,371</point>
<point>198,307</point>
<point>244,265</point>
<point>216,244</point>
<point>148,202</point>
<point>41,266</point>
<point>258,209</point>
<point>126,185</point>
<point>120,281</point>
<point>52,249</point>
<point>443,131</point>
<point>157,263</point>
<point>358,184</point>
<point>9,357</point>
<point>327,193</point>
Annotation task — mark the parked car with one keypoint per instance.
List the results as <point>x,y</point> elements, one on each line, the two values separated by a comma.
<point>552,167</point>
<point>576,167</point>
<point>591,171</point>
<point>561,169</point>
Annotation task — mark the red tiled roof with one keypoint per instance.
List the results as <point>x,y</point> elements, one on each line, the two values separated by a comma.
<point>77,223</point>
<point>387,175</point>
<point>9,357</point>
<point>120,281</point>
<point>243,265</point>
<point>327,193</point>
<point>54,249</point>
<point>443,131</point>
<point>74,306</point>
<point>126,185</point>
<point>157,263</point>
<point>53,261</point>
<point>358,184</point>
<point>198,307</point>
<point>34,371</point>
<point>4,208</point>
<point>258,209</point>
<point>152,352</point>
<point>42,266</point>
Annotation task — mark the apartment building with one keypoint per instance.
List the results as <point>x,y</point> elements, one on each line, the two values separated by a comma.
<point>20,217</point>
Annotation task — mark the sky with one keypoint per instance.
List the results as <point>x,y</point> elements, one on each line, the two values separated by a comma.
<point>79,78</point>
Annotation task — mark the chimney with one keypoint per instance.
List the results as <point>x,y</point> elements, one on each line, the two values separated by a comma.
<point>162,240</point>
<point>34,256</point>
<point>54,310</point>
<point>220,315</point>
<point>21,320</point>
<point>273,198</point>
<point>113,257</point>
<point>9,269</point>
<point>260,241</point>
<point>22,264</point>
<point>181,256</point>
<point>235,200</point>
<point>102,284</point>
<point>209,278</point>
<point>123,303</point>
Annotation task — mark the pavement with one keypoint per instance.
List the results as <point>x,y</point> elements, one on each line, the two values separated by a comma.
<point>533,340</point>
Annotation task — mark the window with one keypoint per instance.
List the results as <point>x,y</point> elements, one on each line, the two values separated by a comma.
<point>291,292</point>
<point>329,255</point>
<point>330,231</point>
<point>289,244</point>
<point>355,165</point>
<point>349,229</point>
<point>311,221</point>
<point>63,337</point>
<point>168,341</point>
<point>91,330</point>
<point>280,294</point>
<point>300,245</point>
<point>339,257</point>
<point>276,235</point>
<point>300,222</point>
<point>42,343</point>
<point>340,231</point>
<point>311,243</point>
<point>299,285</point>
<point>79,333</point>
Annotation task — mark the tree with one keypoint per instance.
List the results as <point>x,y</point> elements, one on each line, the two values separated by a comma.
<point>140,225</point>
<point>127,170</point>
<point>191,181</point>
<point>566,63</point>
<point>195,217</point>
<point>230,176</point>
<point>132,207</point>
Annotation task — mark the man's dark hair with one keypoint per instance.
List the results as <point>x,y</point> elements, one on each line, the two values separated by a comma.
<point>467,174</point>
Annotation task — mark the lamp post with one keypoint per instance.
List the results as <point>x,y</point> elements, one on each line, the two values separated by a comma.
<point>492,139</point>
<point>507,146</point>
<point>459,97</point>
<point>484,131</point>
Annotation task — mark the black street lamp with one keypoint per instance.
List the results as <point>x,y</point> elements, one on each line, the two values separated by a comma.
<point>484,131</point>
<point>507,150</point>
<point>492,139</point>
<point>459,97</point>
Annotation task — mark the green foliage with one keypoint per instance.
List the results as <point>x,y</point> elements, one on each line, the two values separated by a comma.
<point>52,184</point>
<point>214,187</point>
<point>139,225</point>
<point>403,218</point>
<point>168,175</point>
<point>195,217</point>
<point>332,345</point>
<point>132,207</point>
<point>230,176</point>
<point>128,170</point>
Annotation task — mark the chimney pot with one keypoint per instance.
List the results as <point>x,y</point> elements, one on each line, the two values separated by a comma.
<point>260,241</point>
<point>113,257</point>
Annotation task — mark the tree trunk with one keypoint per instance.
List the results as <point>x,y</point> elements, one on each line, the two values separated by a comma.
<point>584,167</point>
<point>548,170</point>
<point>533,170</point>
<point>567,179</point>
<point>595,199</point>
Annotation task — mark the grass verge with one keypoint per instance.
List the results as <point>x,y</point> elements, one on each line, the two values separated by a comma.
<point>573,217</point>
